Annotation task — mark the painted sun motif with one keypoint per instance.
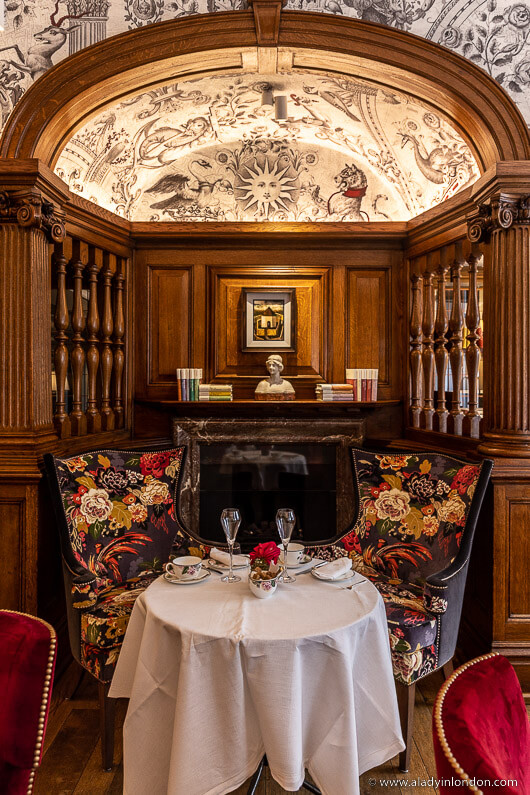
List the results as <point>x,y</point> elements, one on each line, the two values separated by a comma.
<point>267,187</point>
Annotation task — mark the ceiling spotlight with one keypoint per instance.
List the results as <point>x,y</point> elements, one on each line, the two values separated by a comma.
<point>280,107</point>
<point>267,99</point>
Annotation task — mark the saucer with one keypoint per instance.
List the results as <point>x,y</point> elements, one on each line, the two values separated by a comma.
<point>175,581</point>
<point>216,564</point>
<point>348,575</point>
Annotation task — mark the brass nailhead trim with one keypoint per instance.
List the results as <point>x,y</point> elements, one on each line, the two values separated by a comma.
<point>439,724</point>
<point>45,694</point>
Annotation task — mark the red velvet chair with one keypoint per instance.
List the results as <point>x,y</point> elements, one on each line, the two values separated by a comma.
<point>27,662</point>
<point>481,729</point>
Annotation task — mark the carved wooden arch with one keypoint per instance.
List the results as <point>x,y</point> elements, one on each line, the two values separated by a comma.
<point>83,83</point>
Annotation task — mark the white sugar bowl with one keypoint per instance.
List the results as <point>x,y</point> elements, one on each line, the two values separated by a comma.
<point>263,588</point>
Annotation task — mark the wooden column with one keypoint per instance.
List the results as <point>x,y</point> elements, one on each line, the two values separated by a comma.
<point>428,349</point>
<point>61,321</point>
<point>28,221</point>
<point>107,327</point>
<point>119,344</point>
<point>506,222</point>
<point>441,355</point>
<point>456,354</point>
<point>415,350</point>
<point>77,357</point>
<point>473,420</point>
<point>92,326</point>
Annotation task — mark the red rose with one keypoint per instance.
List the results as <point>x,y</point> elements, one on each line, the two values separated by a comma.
<point>154,464</point>
<point>269,552</point>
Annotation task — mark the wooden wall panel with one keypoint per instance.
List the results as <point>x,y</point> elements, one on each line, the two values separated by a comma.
<point>169,309</point>
<point>189,313</point>
<point>18,546</point>
<point>305,365</point>
<point>368,321</point>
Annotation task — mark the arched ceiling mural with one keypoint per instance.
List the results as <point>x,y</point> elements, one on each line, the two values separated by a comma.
<point>494,34</point>
<point>206,149</point>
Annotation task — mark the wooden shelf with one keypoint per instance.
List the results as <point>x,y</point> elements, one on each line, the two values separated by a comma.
<point>259,408</point>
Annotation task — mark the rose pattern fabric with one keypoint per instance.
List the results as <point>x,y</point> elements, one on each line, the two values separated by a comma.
<point>412,513</point>
<point>120,511</point>
<point>413,510</point>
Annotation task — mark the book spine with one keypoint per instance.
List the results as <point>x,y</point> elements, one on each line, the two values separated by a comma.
<point>179,384</point>
<point>185,383</point>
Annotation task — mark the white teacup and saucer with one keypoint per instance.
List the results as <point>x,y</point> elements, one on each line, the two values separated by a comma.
<point>185,570</point>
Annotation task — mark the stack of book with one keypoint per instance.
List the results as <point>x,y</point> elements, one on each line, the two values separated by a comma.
<point>215,392</point>
<point>364,383</point>
<point>188,380</point>
<point>334,392</point>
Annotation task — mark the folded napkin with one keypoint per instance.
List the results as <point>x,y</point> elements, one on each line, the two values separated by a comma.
<point>224,557</point>
<point>330,571</point>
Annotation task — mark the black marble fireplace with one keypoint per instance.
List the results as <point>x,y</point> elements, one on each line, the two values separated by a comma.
<point>263,464</point>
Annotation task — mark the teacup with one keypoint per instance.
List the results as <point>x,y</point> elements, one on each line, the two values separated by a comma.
<point>295,554</point>
<point>185,568</point>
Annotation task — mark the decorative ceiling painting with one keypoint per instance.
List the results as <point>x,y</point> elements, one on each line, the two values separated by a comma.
<point>494,34</point>
<point>208,150</point>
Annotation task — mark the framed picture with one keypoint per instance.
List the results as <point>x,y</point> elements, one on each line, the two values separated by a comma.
<point>269,319</point>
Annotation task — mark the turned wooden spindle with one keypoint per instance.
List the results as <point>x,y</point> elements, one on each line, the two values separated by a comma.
<point>92,325</point>
<point>77,357</point>
<point>119,343</point>
<point>415,350</point>
<point>441,356</point>
<point>60,357</point>
<point>456,355</point>
<point>428,349</point>
<point>107,326</point>
<point>473,419</point>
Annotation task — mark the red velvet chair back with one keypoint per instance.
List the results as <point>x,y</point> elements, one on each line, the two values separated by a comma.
<point>27,661</point>
<point>481,729</point>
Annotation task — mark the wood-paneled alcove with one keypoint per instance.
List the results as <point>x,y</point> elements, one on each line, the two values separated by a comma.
<point>132,301</point>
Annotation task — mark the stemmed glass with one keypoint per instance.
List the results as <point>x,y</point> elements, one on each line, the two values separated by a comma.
<point>285,522</point>
<point>230,521</point>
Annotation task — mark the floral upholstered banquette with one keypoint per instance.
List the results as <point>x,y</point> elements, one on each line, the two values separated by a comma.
<point>119,529</point>
<point>414,511</point>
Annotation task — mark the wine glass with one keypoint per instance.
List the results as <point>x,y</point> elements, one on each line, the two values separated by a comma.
<point>285,522</point>
<point>230,521</point>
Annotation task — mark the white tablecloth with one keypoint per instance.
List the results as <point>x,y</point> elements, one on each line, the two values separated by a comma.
<point>217,677</point>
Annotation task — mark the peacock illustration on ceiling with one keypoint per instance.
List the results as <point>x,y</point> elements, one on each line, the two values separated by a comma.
<point>208,150</point>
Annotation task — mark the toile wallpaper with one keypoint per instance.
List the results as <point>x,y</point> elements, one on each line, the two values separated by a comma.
<point>207,150</point>
<point>495,34</point>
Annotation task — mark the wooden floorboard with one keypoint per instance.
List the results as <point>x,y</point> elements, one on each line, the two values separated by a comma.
<point>72,754</point>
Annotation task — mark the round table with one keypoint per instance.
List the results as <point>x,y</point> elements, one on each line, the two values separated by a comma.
<point>217,677</point>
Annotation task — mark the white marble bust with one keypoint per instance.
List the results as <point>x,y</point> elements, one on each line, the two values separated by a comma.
<point>275,385</point>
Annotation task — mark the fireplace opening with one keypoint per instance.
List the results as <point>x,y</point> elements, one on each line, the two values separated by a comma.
<point>260,478</point>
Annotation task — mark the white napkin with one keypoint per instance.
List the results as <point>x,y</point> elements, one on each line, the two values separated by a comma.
<point>224,557</point>
<point>330,571</point>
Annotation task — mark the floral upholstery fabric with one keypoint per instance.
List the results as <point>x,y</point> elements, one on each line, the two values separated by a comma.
<point>413,510</point>
<point>103,627</point>
<point>120,511</point>
<point>409,624</point>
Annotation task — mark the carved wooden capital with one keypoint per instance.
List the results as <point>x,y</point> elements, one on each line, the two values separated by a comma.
<point>502,212</point>
<point>267,20</point>
<point>30,209</point>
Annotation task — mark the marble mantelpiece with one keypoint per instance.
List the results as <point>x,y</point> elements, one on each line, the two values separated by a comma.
<point>340,432</point>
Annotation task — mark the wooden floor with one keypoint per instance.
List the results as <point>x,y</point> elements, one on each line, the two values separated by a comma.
<point>72,756</point>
